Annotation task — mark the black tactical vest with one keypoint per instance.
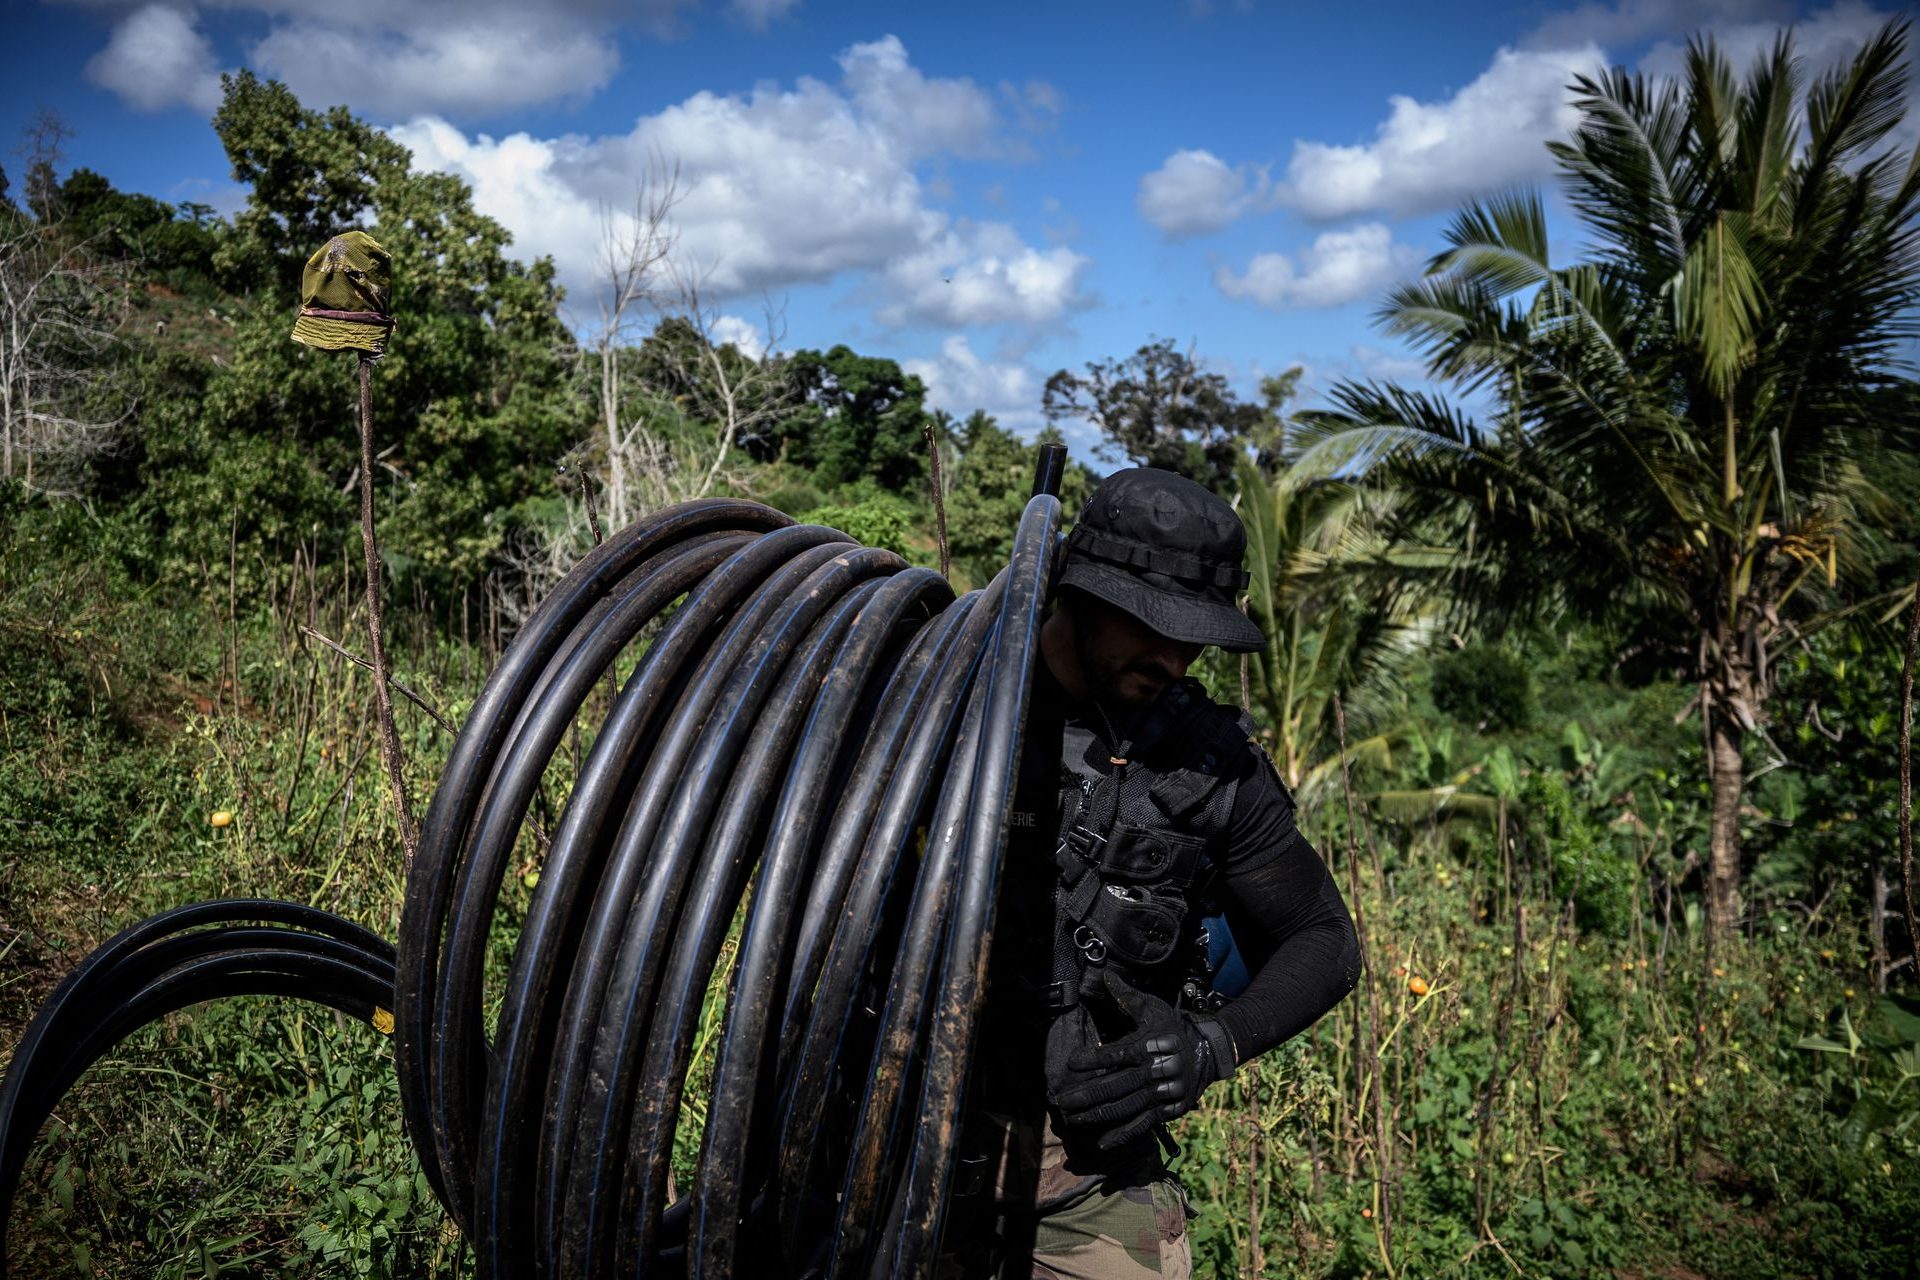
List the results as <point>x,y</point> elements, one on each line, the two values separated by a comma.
<point>1140,827</point>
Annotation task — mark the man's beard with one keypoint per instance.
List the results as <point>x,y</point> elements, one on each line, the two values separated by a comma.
<point>1104,681</point>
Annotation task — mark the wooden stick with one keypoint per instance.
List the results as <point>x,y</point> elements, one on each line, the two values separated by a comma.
<point>1370,1028</point>
<point>383,700</point>
<point>939,499</point>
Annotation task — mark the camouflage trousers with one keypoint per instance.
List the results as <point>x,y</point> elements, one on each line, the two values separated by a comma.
<point>1121,1227</point>
<point>1117,1232</point>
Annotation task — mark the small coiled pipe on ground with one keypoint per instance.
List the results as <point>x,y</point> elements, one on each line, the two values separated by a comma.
<point>812,756</point>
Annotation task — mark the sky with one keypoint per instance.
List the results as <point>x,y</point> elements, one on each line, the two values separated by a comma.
<point>986,192</point>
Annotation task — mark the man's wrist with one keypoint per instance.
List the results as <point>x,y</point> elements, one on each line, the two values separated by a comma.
<point>1220,1048</point>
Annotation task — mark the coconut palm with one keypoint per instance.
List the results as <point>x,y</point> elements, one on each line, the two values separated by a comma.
<point>1343,606</point>
<point>1680,416</point>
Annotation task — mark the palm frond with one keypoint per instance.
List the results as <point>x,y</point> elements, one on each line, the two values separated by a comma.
<point>1499,243</point>
<point>1854,107</point>
<point>1375,422</point>
<point>1718,300</point>
<point>1433,802</point>
<point>1713,115</point>
<point>1622,167</point>
<point>1767,135</point>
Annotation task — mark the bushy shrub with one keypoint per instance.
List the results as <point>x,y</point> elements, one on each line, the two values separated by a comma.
<point>878,521</point>
<point>1586,864</point>
<point>1484,685</point>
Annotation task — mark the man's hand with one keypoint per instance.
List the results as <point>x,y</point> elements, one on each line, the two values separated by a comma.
<point>1153,1074</point>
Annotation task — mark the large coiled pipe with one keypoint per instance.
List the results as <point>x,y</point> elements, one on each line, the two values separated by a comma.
<point>813,757</point>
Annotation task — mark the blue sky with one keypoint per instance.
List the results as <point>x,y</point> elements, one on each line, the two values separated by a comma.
<point>986,192</point>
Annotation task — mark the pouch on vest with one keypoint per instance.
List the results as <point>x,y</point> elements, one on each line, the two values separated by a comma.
<point>1141,928</point>
<point>1140,854</point>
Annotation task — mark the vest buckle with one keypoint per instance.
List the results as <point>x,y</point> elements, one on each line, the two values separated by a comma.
<point>1084,841</point>
<point>1092,949</point>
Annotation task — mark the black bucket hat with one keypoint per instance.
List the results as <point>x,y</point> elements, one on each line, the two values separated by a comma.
<point>1168,552</point>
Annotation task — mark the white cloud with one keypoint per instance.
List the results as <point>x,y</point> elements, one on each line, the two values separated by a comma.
<point>1427,156</point>
<point>960,381</point>
<point>1823,41</point>
<point>1193,192</point>
<point>1338,268</point>
<point>1430,155</point>
<point>924,116</point>
<point>453,57</point>
<point>780,187</point>
<point>742,334</point>
<point>514,180</point>
<point>507,59</point>
<point>981,274</point>
<point>156,59</point>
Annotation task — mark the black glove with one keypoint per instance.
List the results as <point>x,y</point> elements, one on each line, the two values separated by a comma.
<point>1153,1074</point>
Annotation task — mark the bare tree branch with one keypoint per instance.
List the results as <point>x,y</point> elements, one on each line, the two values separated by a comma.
<point>60,316</point>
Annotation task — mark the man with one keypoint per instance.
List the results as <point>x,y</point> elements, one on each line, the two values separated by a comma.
<point>1141,804</point>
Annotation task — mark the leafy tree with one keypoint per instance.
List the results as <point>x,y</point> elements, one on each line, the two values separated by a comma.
<point>61,309</point>
<point>128,224</point>
<point>44,147</point>
<point>312,174</point>
<point>473,400</point>
<point>1159,408</point>
<point>1268,435</point>
<point>853,416</point>
<point>1484,685</point>
<point>990,484</point>
<point>1683,414</point>
<point>1835,803</point>
<point>875,518</point>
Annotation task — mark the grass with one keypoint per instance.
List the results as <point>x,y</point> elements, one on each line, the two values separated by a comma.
<point>1565,1098</point>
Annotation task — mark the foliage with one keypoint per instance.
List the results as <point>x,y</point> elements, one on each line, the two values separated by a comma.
<point>990,483</point>
<point>1683,415</point>
<point>176,243</point>
<point>310,175</point>
<point>1485,685</point>
<point>855,416</point>
<point>1585,868</point>
<point>1840,792</point>
<point>472,402</point>
<point>1341,610</point>
<point>60,309</point>
<point>1583,1082</point>
<point>878,520</point>
<point>1159,408</point>
<point>1604,1104</point>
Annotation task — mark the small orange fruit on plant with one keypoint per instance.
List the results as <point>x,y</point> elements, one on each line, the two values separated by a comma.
<point>221,818</point>
<point>1418,985</point>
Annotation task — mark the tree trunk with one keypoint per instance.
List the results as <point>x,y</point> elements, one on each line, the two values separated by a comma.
<point>1725,771</point>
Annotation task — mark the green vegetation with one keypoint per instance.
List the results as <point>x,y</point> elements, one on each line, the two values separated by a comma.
<point>1684,415</point>
<point>1489,647</point>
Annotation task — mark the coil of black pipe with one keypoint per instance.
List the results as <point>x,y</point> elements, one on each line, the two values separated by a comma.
<point>800,791</point>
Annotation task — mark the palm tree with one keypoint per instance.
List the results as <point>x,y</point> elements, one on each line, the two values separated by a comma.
<point>1680,417</point>
<point>1343,606</point>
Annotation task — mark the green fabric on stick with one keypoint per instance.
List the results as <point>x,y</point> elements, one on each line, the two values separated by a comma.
<point>345,296</point>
